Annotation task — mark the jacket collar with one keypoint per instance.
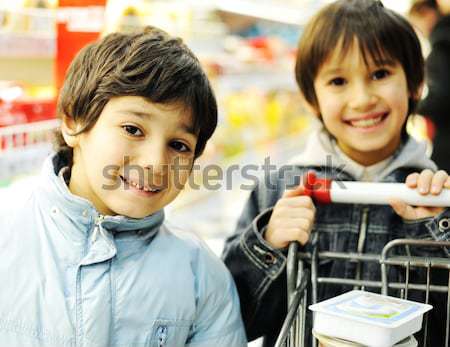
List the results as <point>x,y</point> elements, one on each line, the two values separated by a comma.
<point>321,150</point>
<point>82,212</point>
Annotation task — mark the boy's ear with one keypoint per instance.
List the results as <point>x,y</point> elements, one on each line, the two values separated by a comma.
<point>68,128</point>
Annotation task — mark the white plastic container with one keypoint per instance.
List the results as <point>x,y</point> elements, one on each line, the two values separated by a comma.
<point>370,319</point>
<point>326,341</point>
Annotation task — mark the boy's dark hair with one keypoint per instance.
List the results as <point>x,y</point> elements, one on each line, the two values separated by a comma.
<point>148,63</point>
<point>380,32</point>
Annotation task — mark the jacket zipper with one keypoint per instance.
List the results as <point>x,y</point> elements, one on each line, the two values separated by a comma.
<point>98,220</point>
<point>79,311</point>
<point>362,239</point>
<point>162,336</point>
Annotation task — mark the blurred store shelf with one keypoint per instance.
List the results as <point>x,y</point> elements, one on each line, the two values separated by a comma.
<point>272,11</point>
<point>35,22</point>
<point>36,45</point>
<point>23,149</point>
<point>264,80</point>
<point>27,44</point>
<point>293,12</point>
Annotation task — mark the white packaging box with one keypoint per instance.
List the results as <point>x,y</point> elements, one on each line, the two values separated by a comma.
<point>371,319</point>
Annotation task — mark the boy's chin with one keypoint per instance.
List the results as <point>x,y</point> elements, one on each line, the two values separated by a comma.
<point>138,215</point>
<point>133,212</point>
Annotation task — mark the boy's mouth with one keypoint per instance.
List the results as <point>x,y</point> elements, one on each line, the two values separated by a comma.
<point>368,121</point>
<point>137,186</point>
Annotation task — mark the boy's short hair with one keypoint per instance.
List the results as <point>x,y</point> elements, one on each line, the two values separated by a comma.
<point>149,63</point>
<point>380,32</point>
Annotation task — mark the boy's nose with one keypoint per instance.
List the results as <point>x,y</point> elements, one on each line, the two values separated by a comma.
<point>155,160</point>
<point>362,98</point>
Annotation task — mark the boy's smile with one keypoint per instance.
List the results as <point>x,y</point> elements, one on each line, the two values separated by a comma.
<point>139,186</point>
<point>364,106</point>
<point>136,158</point>
<point>368,122</point>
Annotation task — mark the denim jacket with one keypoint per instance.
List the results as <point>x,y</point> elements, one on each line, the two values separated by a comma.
<point>73,278</point>
<point>259,269</point>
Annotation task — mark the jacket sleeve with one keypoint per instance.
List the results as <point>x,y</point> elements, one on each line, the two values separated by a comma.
<point>218,321</point>
<point>257,268</point>
<point>436,228</point>
<point>436,104</point>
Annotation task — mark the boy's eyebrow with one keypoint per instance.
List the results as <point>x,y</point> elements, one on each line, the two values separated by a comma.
<point>186,128</point>
<point>332,71</point>
<point>383,62</point>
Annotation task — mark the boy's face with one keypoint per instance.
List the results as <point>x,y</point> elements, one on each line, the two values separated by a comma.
<point>136,158</point>
<point>363,107</point>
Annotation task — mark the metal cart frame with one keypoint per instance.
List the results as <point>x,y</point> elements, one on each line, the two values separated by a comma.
<point>298,277</point>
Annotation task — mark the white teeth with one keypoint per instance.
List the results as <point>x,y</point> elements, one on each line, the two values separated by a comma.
<point>366,123</point>
<point>137,186</point>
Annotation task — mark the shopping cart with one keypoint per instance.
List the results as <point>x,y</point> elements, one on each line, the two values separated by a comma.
<point>294,328</point>
<point>24,147</point>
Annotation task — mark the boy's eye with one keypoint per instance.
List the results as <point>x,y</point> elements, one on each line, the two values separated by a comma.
<point>338,81</point>
<point>380,74</point>
<point>132,130</point>
<point>180,146</point>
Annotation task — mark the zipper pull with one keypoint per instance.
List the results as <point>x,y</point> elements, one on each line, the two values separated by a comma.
<point>99,219</point>
<point>96,231</point>
<point>162,336</point>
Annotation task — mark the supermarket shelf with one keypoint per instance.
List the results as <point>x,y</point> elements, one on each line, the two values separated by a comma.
<point>37,71</point>
<point>271,11</point>
<point>30,45</point>
<point>24,147</point>
<point>27,32</point>
<point>42,126</point>
<point>263,80</point>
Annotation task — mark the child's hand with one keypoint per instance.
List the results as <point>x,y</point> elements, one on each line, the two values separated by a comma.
<point>292,219</point>
<point>426,182</point>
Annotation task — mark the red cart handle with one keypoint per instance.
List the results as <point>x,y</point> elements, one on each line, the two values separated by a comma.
<point>317,188</point>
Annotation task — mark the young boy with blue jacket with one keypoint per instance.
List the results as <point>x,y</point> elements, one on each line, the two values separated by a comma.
<point>360,68</point>
<point>86,257</point>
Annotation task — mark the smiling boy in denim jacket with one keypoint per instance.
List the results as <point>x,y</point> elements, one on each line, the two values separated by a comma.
<point>360,68</point>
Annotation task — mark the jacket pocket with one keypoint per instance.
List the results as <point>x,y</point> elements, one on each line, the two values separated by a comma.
<point>169,333</point>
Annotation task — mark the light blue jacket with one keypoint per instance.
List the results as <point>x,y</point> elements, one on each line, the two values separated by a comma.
<point>69,277</point>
